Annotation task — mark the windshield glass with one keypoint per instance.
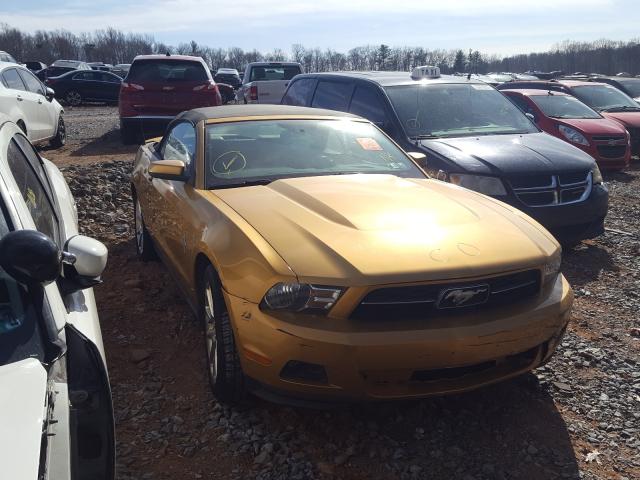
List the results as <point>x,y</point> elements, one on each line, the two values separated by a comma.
<point>632,86</point>
<point>268,72</point>
<point>167,71</point>
<point>19,334</point>
<point>604,97</point>
<point>456,110</point>
<point>262,151</point>
<point>563,106</point>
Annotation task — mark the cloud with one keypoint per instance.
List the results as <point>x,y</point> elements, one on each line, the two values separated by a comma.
<point>150,16</point>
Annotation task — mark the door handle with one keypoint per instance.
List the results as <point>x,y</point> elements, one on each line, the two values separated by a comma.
<point>19,98</point>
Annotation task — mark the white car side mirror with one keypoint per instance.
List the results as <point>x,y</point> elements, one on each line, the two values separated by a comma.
<point>90,255</point>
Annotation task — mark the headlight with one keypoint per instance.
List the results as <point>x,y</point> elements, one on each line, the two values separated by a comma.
<point>298,297</point>
<point>573,135</point>
<point>479,183</point>
<point>552,267</point>
<point>596,175</point>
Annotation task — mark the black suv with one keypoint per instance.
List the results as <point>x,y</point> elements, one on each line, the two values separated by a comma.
<point>472,136</point>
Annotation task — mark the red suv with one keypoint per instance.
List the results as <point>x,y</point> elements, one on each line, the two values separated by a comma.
<point>567,118</point>
<point>605,99</point>
<point>159,87</point>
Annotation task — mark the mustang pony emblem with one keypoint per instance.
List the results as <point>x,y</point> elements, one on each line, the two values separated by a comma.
<point>463,296</point>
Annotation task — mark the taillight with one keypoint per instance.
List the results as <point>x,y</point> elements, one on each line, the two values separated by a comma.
<point>206,87</point>
<point>253,93</point>
<point>130,87</point>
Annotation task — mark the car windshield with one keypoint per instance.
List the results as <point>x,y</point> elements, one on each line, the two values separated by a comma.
<point>19,331</point>
<point>268,72</point>
<point>604,98</point>
<point>563,106</point>
<point>167,71</point>
<point>632,86</point>
<point>242,153</point>
<point>455,110</point>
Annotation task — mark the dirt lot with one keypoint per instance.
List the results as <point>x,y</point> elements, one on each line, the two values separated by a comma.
<point>579,417</point>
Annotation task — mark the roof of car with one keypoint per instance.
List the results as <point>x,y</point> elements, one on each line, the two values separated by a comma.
<point>257,110</point>
<point>386,79</point>
<point>534,91</point>
<point>168,57</point>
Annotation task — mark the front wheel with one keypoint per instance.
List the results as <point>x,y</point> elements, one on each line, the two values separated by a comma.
<point>73,98</point>
<point>223,363</point>
<point>144,244</point>
<point>61,134</point>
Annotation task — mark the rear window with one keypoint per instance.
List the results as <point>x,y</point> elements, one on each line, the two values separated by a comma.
<point>274,72</point>
<point>167,71</point>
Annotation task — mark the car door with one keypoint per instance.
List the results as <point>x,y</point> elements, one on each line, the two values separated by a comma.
<point>168,198</point>
<point>87,84</point>
<point>367,102</point>
<point>47,114</point>
<point>90,416</point>
<point>110,86</point>
<point>27,103</point>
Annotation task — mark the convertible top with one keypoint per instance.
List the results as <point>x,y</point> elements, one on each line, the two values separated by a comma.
<point>256,110</point>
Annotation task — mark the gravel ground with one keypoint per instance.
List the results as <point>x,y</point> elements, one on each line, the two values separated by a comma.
<point>578,417</point>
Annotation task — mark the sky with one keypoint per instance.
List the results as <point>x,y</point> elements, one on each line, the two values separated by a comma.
<point>491,26</point>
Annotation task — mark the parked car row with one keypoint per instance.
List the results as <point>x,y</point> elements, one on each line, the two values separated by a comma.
<point>372,216</point>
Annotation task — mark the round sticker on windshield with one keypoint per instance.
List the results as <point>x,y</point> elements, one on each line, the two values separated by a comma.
<point>228,163</point>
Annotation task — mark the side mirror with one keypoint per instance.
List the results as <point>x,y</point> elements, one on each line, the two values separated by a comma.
<point>50,94</point>
<point>167,169</point>
<point>87,259</point>
<point>30,257</point>
<point>420,158</point>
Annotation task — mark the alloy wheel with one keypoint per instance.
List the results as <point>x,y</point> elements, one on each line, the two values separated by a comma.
<point>73,98</point>
<point>62,131</point>
<point>210,332</point>
<point>139,225</point>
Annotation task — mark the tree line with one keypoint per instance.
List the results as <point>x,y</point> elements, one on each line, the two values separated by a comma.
<point>114,46</point>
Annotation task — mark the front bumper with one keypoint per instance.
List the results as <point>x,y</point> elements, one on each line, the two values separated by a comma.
<point>575,221</point>
<point>368,362</point>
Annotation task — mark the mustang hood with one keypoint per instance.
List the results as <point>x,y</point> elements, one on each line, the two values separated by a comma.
<point>23,387</point>
<point>375,229</point>
<point>511,154</point>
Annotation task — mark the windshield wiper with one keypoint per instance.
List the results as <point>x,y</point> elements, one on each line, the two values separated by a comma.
<point>245,183</point>
<point>621,108</point>
<point>423,136</point>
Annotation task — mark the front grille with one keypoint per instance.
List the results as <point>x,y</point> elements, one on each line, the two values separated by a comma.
<point>609,138</point>
<point>421,301</point>
<point>615,151</point>
<point>547,190</point>
<point>513,362</point>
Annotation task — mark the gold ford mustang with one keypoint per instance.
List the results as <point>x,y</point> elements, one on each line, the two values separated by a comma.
<point>324,264</point>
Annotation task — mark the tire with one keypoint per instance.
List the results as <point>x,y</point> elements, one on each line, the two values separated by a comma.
<point>144,244</point>
<point>223,362</point>
<point>129,135</point>
<point>73,98</point>
<point>61,135</point>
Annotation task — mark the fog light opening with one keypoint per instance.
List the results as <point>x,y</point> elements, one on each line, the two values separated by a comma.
<point>298,371</point>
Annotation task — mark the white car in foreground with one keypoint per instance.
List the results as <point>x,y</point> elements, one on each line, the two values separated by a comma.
<point>56,415</point>
<point>31,105</point>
